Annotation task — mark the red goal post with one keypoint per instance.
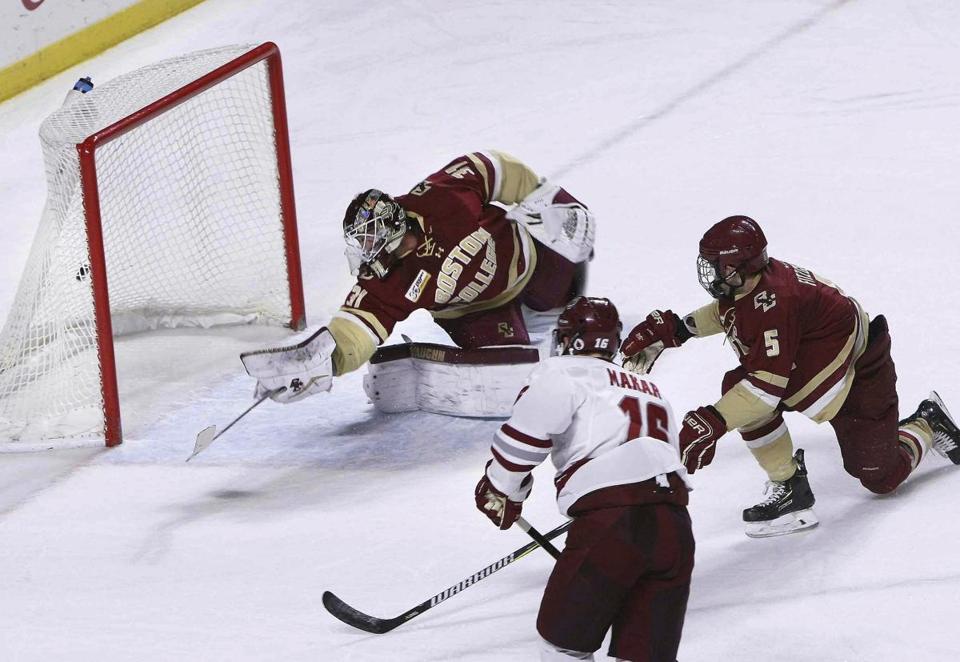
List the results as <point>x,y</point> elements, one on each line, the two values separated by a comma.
<point>91,201</point>
<point>177,205</point>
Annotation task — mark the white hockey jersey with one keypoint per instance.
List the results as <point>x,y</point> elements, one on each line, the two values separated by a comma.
<point>603,426</point>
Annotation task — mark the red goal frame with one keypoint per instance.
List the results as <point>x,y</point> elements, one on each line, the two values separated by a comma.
<point>87,150</point>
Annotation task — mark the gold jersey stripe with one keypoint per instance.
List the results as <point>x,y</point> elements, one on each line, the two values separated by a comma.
<point>370,319</point>
<point>770,378</point>
<point>482,169</point>
<point>852,350</point>
<point>515,283</point>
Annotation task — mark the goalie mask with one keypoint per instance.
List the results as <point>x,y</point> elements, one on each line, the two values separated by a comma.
<point>730,252</point>
<point>588,325</point>
<point>373,227</point>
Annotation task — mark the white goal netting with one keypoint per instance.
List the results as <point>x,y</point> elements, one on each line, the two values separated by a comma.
<point>192,232</point>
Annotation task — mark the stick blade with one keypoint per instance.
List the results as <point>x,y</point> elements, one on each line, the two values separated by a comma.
<point>357,619</point>
<point>204,439</point>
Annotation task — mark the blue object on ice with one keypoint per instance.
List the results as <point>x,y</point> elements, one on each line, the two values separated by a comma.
<point>83,85</point>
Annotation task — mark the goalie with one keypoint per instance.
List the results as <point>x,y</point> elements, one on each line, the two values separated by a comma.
<point>449,246</point>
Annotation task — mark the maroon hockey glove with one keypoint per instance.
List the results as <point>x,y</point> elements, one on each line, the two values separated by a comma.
<point>698,437</point>
<point>494,504</point>
<point>660,326</point>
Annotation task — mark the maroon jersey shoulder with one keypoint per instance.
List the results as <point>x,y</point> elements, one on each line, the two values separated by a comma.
<point>791,324</point>
<point>470,251</point>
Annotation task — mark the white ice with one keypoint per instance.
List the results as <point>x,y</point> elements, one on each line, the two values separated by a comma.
<point>833,123</point>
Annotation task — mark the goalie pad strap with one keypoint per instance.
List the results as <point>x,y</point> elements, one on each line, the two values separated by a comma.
<point>456,355</point>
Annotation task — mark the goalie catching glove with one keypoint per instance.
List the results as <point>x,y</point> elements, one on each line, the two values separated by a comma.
<point>500,509</point>
<point>556,219</point>
<point>304,369</point>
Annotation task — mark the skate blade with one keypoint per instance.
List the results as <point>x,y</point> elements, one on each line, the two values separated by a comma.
<point>783,525</point>
<point>952,455</point>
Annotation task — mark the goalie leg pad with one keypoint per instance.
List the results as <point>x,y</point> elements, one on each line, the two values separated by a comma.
<point>448,380</point>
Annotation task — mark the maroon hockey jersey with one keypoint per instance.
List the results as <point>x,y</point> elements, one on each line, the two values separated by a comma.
<point>796,335</point>
<point>471,258</point>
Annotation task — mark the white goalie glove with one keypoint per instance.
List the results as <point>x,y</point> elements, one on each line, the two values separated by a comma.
<point>304,369</point>
<point>568,228</point>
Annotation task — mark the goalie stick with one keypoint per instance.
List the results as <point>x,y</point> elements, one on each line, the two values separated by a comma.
<point>209,434</point>
<point>361,621</point>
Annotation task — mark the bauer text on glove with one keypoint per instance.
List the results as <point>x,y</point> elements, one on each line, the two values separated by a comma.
<point>699,433</point>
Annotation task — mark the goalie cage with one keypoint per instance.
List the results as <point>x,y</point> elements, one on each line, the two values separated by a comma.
<point>170,203</point>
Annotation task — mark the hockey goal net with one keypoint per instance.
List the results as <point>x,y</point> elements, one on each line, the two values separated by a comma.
<point>170,204</point>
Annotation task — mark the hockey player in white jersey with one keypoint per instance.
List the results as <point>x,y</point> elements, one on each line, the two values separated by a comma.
<point>613,440</point>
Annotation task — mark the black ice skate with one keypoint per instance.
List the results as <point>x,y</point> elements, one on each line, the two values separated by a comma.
<point>787,508</point>
<point>946,434</point>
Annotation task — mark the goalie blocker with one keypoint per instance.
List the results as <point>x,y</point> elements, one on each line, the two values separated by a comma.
<point>448,380</point>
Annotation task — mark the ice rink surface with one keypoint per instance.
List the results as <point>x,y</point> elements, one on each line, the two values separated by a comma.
<point>832,123</point>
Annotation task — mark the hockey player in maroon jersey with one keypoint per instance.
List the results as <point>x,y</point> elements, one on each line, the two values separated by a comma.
<point>451,247</point>
<point>803,346</point>
<point>613,441</point>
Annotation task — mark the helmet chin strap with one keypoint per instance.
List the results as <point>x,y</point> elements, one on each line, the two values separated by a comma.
<point>391,254</point>
<point>722,288</point>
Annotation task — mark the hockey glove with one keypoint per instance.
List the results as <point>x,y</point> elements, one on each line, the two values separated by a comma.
<point>698,437</point>
<point>558,220</point>
<point>647,340</point>
<point>304,369</point>
<point>493,503</point>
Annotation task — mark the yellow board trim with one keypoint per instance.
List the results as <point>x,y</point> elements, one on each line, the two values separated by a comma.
<point>84,44</point>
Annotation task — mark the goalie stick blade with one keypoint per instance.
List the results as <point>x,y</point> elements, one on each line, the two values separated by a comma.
<point>204,439</point>
<point>347,614</point>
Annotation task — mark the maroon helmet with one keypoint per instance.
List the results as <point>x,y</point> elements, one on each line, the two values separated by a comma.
<point>588,325</point>
<point>730,251</point>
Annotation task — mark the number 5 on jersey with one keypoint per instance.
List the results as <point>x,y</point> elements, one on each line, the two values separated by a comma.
<point>772,342</point>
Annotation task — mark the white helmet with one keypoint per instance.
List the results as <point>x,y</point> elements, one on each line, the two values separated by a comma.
<point>372,228</point>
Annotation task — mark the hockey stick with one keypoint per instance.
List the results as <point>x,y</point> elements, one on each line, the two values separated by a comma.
<point>538,537</point>
<point>209,434</point>
<point>361,621</point>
